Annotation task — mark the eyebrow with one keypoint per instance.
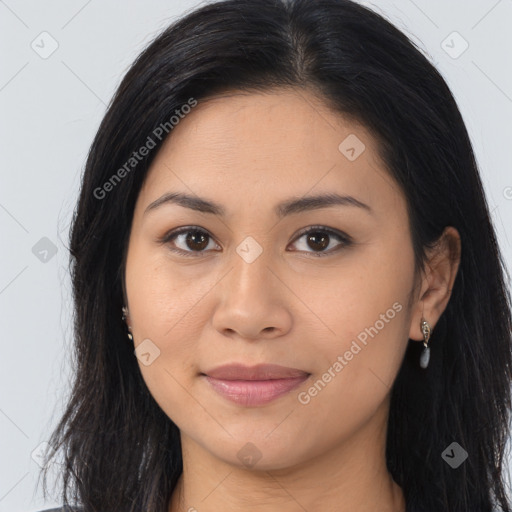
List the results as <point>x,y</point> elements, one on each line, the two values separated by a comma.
<point>283,209</point>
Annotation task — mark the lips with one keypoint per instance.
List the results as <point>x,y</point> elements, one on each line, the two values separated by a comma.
<point>258,372</point>
<point>254,385</point>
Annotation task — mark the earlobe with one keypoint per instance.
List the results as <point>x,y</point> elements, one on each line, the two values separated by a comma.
<point>442,265</point>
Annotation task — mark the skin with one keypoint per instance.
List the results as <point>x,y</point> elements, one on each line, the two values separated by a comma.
<point>248,152</point>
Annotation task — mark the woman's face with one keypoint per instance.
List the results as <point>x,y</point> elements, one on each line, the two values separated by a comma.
<point>249,286</point>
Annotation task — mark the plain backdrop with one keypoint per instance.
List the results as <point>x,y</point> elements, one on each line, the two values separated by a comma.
<point>61,62</point>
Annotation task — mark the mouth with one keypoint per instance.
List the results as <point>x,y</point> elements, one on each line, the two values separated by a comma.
<point>254,385</point>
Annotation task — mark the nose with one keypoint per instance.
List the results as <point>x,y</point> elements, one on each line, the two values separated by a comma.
<point>253,303</point>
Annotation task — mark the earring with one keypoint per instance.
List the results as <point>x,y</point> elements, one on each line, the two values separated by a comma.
<point>125,314</point>
<point>425,354</point>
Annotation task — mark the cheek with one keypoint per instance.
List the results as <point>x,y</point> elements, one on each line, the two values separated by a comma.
<point>165,299</point>
<point>367,312</point>
<point>167,315</point>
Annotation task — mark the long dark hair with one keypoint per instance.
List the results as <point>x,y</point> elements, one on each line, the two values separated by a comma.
<point>121,452</point>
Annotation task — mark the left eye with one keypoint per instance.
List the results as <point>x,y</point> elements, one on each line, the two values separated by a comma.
<point>196,240</point>
<point>320,237</point>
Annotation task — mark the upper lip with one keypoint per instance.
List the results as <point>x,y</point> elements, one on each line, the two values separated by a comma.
<point>258,372</point>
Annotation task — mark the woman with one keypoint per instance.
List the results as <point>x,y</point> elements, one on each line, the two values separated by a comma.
<point>288,291</point>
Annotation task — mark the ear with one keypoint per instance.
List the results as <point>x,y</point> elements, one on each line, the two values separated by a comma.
<point>437,280</point>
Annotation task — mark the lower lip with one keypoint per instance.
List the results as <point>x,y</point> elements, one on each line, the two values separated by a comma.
<point>254,392</point>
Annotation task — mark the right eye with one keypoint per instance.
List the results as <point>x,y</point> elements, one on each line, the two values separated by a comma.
<point>192,238</point>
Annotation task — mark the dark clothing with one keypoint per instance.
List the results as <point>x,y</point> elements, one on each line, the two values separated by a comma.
<point>62,509</point>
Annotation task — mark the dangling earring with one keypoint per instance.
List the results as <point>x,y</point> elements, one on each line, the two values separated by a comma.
<point>125,314</point>
<point>425,354</point>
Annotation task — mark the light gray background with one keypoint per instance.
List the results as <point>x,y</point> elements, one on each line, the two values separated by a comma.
<point>50,110</point>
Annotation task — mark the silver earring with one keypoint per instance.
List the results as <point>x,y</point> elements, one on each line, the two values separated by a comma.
<point>125,314</point>
<point>425,354</point>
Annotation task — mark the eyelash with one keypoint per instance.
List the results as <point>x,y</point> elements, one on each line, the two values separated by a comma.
<point>345,239</point>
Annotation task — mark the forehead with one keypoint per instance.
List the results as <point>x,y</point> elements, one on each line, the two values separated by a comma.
<point>263,144</point>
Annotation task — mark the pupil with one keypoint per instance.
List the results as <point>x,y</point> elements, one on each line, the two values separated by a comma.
<point>319,245</point>
<point>193,237</point>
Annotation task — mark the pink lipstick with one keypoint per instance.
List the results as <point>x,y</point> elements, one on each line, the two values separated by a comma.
<point>254,385</point>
